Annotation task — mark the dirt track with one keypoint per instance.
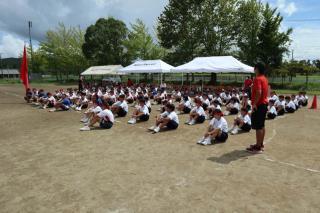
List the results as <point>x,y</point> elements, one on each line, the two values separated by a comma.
<point>48,165</point>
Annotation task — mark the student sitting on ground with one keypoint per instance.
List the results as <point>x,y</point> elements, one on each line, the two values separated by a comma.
<point>105,119</point>
<point>241,123</point>
<point>82,103</point>
<point>295,100</point>
<point>92,111</point>
<point>120,108</point>
<point>28,96</point>
<point>141,113</point>
<point>217,130</point>
<point>185,106</point>
<point>280,105</point>
<point>233,107</point>
<point>49,102</point>
<point>290,106</point>
<point>197,114</point>
<point>303,99</point>
<point>64,104</point>
<point>272,111</point>
<point>168,119</point>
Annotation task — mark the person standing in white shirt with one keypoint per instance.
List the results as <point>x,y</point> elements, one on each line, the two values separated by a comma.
<point>217,130</point>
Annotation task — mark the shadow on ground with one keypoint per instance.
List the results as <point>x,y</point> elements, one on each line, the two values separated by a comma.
<point>230,157</point>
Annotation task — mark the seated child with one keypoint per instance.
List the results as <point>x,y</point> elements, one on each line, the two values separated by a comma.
<point>28,96</point>
<point>241,123</point>
<point>233,107</point>
<point>217,130</point>
<point>120,108</point>
<point>105,119</point>
<point>185,106</point>
<point>272,111</point>
<point>49,102</point>
<point>197,114</point>
<point>290,106</point>
<point>280,105</point>
<point>140,113</point>
<point>168,119</point>
<point>64,104</point>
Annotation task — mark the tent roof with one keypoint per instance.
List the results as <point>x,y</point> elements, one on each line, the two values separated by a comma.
<point>215,64</point>
<point>148,66</point>
<point>103,70</point>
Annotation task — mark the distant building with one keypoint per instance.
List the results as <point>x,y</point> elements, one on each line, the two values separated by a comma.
<point>9,73</point>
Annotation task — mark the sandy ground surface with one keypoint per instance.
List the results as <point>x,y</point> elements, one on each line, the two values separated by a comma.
<point>48,165</point>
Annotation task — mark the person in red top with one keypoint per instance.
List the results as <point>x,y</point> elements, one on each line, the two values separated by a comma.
<point>247,86</point>
<point>259,102</point>
<point>129,83</point>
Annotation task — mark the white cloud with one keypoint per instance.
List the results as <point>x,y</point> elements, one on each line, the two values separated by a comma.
<point>287,8</point>
<point>306,43</point>
<point>11,46</point>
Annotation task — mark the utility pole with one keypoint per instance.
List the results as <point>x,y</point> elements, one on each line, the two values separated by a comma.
<point>31,58</point>
<point>292,59</point>
<point>1,64</point>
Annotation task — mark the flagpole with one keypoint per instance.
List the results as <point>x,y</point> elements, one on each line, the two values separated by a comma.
<point>31,57</point>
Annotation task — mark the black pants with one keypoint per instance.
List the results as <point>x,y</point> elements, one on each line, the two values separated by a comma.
<point>258,117</point>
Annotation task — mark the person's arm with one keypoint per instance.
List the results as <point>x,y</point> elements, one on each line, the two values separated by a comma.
<point>257,98</point>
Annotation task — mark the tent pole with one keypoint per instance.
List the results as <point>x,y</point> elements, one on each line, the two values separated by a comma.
<point>202,84</point>
<point>182,80</point>
<point>161,77</point>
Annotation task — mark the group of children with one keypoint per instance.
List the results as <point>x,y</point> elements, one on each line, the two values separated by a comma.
<point>102,105</point>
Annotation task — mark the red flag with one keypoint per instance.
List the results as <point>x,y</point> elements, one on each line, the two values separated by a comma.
<point>24,69</point>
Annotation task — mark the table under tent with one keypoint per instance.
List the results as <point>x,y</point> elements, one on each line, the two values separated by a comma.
<point>214,64</point>
<point>147,67</point>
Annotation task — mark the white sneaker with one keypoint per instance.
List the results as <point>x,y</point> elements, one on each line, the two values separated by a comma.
<point>200,141</point>
<point>192,122</point>
<point>84,120</point>
<point>226,113</point>
<point>132,121</point>
<point>207,117</point>
<point>44,107</point>
<point>85,128</point>
<point>187,122</point>
<point>231,129</point>
<point>206,142</point>
<point>235,131</point>
<point>156,130</point>
<point>52,110</point>
<point>37,104</point>
<point>152,128</point>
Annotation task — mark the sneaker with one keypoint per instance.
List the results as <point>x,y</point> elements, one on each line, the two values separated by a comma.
<point>230,129</point>
<point>235,131</point>
<point>156,130</point>
<point>207,117</point>
<point>52,110</point>
<point>85,128</point>
<point>132,121</point>
<point>187,122</point>
<point>152,128</point>
<point>84,120</point>
<point>254,150</point>
<point>206,142</point>
<point>200,141</point>
<point>192,122</point>
<point>226,113</point>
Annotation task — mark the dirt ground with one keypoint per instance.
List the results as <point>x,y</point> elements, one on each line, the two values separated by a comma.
<point>48,165</point>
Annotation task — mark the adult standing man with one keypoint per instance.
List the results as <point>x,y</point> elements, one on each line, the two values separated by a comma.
<point>259,101</point>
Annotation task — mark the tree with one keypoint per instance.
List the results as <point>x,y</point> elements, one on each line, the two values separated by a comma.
<point>140,44</point>
<point>273,43</point>
<point>62,50</point>
<point>104,42</point>
<point>249,22</point>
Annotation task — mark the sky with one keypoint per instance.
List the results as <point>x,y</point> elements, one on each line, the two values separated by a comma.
<point>301,15</point>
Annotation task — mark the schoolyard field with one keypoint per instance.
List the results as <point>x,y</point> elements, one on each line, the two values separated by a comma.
<point>48,165</point>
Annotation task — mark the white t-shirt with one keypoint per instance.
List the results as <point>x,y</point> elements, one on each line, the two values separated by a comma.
<point>123,105</point>
<point>280,103</point>
<point>274,97</point>
<point>291,105</point>
<point>106,115</point>
<point>207,102</point>
<point>236,105</point>
<point>97,109</point>
<point>219,124</point>
<point>199,111</point>
<point>144,109</point>
<point>246,119</point>
<point>52,100</point>
<point>187,104</point>
<point>174,117</point>
<point>273,110</point>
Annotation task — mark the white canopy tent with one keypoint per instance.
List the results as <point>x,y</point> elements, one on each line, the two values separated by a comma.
<point>215,64</point>
<point>103,70</point>
<point>147,66</point>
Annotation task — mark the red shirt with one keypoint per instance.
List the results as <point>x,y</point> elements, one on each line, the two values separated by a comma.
<point>260,83</point>
<point>247,83</point>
